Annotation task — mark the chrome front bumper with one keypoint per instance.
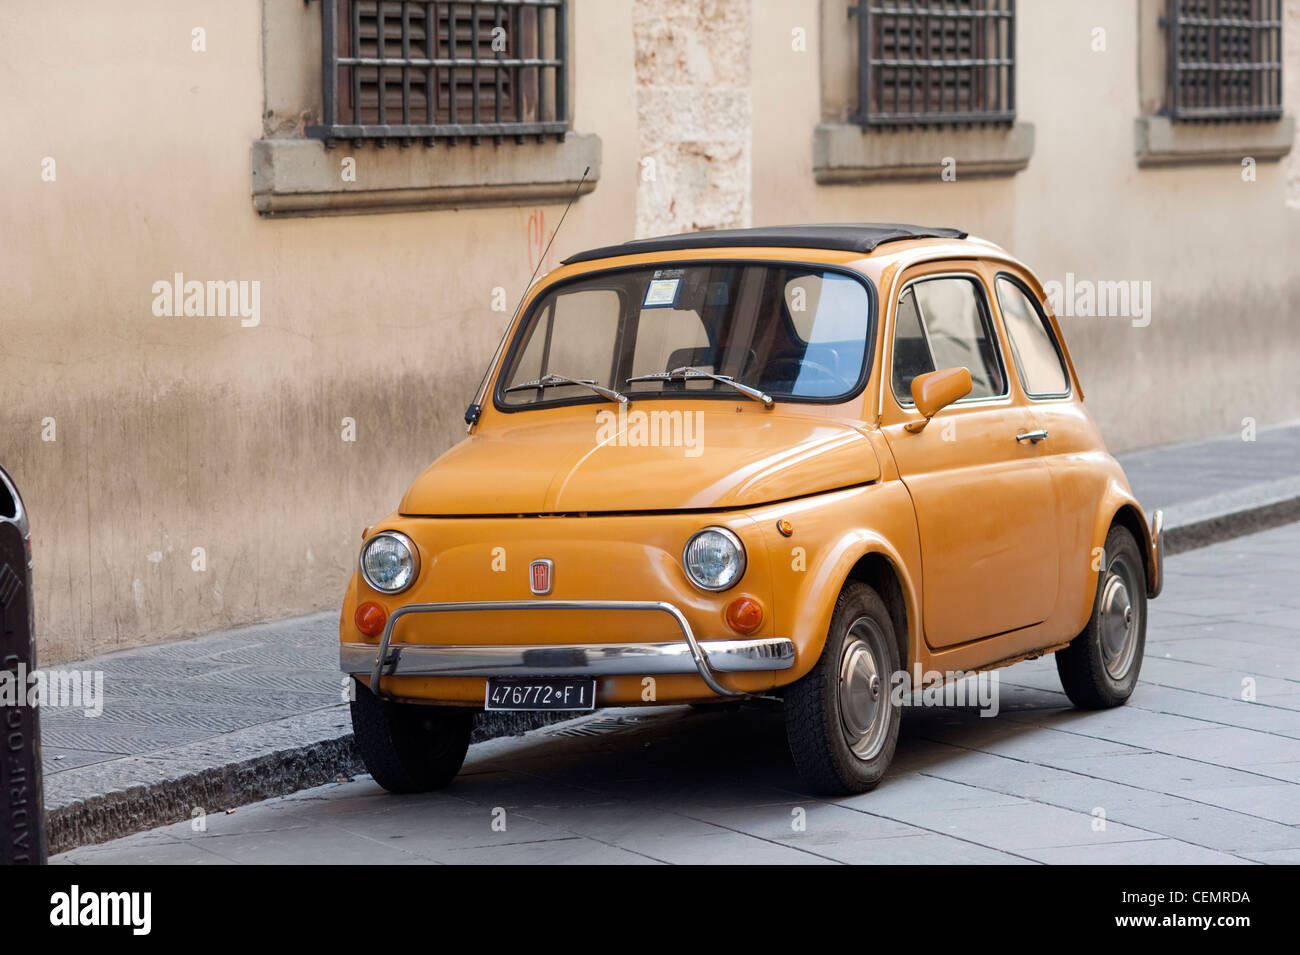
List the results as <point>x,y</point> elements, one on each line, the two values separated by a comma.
<point>707,658</point>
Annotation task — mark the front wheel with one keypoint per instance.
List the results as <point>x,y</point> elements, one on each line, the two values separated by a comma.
<point>406,747</point>
<point>840,721</point>
<point>1100,667</point>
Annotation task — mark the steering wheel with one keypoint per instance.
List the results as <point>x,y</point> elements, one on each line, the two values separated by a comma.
<point>800,364</point>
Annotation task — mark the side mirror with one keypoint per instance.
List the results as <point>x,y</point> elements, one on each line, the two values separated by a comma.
<point>935,390</point>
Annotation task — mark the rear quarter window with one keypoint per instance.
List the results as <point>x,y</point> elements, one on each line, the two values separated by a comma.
<point>1034,348</point>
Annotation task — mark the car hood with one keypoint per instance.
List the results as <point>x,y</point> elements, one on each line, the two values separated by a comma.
<point>573,460</point>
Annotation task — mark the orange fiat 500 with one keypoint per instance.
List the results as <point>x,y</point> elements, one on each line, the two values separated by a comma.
<point>793,463</point>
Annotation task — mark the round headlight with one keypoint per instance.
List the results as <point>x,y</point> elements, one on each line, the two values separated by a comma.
<point>389,562</point>
<point>714,559</point>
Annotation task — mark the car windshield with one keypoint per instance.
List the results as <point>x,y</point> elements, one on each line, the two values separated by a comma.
<point>786,331</point>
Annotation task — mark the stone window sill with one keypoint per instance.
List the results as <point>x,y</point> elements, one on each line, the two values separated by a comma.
<point>1161,142</point>
<point>844,153</point>
<point>300,177</point>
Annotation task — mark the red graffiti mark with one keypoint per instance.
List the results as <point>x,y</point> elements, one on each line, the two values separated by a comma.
<point>539,237</point>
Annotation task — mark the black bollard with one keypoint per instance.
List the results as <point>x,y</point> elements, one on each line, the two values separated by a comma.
<point>22,803</point>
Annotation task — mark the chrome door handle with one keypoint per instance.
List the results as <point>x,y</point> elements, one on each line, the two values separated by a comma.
<point>1034,436</point>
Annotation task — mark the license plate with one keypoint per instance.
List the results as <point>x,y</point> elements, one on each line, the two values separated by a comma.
<point>565,693</point>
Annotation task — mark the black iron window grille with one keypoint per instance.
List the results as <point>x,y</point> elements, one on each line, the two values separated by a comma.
<point>936,62</point>
<point>411,71</point>
<point>1225,59</point>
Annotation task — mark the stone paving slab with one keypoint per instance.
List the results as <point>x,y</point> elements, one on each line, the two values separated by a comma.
<point>189,723</point>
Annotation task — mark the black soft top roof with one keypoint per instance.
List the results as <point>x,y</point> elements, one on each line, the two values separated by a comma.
<point>860,237</point>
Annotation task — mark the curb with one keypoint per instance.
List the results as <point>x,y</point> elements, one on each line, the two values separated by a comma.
<point>1222,517</point>
<point>140,808</point>
<point>135,794</point>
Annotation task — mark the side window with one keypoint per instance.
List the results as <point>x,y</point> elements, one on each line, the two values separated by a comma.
<point>911,352</point>
<point>1038,359</point>
<point>944,323</point>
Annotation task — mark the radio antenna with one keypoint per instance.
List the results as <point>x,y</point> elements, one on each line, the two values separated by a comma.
<point>473,412</point>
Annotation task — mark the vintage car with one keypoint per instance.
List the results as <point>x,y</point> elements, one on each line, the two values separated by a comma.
<point>790,463</point>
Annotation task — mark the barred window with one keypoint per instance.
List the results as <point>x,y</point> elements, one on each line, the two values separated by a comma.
<point>412,71</point>
<point>936,62</point>
<point>1225,59</point>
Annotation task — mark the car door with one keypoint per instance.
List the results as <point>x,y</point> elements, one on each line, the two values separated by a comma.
<point>984,501</point>
<point>1070,437</point>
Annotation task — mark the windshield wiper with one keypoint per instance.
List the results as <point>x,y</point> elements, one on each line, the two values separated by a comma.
<point>686,372</point>
<point>551,381</point>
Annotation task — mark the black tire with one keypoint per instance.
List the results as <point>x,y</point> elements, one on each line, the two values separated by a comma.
<point>818,728</point>
<point>1094,674</point>
<point>406,747</point>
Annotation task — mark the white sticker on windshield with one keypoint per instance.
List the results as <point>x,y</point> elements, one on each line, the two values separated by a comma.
<point>662,293</point>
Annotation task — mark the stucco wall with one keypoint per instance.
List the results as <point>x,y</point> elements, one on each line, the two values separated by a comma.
<point>176,433</point>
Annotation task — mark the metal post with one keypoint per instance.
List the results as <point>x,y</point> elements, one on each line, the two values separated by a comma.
<point>22,803</point>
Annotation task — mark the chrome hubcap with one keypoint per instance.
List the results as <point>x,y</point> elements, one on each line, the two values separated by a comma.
<point>1119,621</point>
<point>863,694</point>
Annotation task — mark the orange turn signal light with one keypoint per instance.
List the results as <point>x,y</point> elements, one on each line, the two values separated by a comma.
<point>370,618</point>
<point>744,615</point>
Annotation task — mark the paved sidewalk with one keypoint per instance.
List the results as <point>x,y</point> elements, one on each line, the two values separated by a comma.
<point>1179,474</point>
<point>1224,487</point>
<point>229,718</point>
<point>1186,772</point>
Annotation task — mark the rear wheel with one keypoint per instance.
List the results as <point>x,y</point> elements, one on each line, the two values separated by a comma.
<point>840,721</point>
<point>1100,667</point>
<point>406,747</point>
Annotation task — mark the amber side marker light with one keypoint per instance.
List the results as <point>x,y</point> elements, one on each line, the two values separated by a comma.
<point>370,618</point>
<point>744,615</point>
<point>785,528</point>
